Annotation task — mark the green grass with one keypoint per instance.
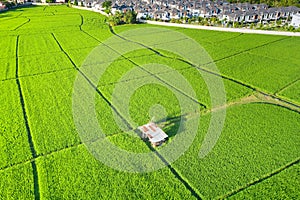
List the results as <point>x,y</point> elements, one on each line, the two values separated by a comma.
<point>13,136</point>
<point>17,182</point>
<point>9,42</point>
<point>282,50</point>
<point>7,68</point>
<point>49,98</point>
<point>43,63</point>
<point>75,173</point>
<point>13,23</point>
<point>268,74</point>
<point>284,185</point>
<point>175,74</point>
<point>30,45</point>
<point>292,92</point>
<point>257,138</point>
<point>75,40</point>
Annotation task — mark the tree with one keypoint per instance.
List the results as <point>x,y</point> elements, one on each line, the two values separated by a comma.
<point>107,6</point>
<point>130,17</point>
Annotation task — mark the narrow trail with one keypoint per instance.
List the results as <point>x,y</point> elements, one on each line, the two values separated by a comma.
<point>28,130</point>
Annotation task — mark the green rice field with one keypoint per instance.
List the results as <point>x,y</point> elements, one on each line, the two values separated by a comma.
<point>42,155</point>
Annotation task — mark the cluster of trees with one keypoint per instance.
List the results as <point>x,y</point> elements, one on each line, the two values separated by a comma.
<point>128,17</point>
<point>199,20</point>
<point>107,6</point>
<point>272,3</point>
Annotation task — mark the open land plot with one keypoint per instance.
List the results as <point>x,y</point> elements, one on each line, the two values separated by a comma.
<point>284,184</point>
<point>245,152</point>
<point>292,92</point>
<point>17,182</point>
<point>7,68</point>
<point>76,174</point>
<point>49,98</point>
<point>30,45</point>
<point>268,74</point>
<point>43,63</point>
<point>8,46</point>
<point>13,136</point>
<point>256,154</point>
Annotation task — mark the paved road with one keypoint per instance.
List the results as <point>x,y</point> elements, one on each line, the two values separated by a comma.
<point>238,30</point>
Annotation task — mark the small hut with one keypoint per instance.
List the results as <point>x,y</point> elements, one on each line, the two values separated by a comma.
<point>155,134</point>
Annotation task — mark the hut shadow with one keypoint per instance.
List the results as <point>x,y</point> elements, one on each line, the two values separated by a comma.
<point>172,125</point>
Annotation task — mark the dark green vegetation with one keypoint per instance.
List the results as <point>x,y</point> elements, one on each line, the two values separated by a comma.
<point>270,2</point>
<point>42,156</point>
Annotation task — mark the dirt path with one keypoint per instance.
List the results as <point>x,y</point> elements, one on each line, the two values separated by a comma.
<point>256,98</point>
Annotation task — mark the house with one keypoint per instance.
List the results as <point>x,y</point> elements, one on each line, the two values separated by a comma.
<point>142,14</point>
<point>295,21</point>
<point>175,14</point>
<point>155,134</point>
<point>263,15</point>
<point>2,6</point>
<point>250,17</point>
<point>161,14</point>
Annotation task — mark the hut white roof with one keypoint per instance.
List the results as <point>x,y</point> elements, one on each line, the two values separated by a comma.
<point>153,132</point>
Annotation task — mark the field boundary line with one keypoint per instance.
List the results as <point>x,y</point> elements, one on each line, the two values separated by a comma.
<point>262,178</point>
<point>152,74</point>
<point>174,172</point>
<point>248,50</point>
<point>217,60</point>
<point>81,23</point>
<point>265,56</point>
<point>222,75</point>
<point>28,20</point>
<point>287,86</point>
<point>92,85</point>
<point>228,39</point>
<point>37,74</point>
<point>175,119</point>
<point>28,130</point>
<point>178,175</point>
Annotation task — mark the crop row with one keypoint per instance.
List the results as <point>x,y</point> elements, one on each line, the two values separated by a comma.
<point>256,140</point>
<point>13,137</point>
<point>292,92</point>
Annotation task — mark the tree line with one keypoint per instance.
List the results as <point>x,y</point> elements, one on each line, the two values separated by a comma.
<point>272,3</point>
<point>127,17</point>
